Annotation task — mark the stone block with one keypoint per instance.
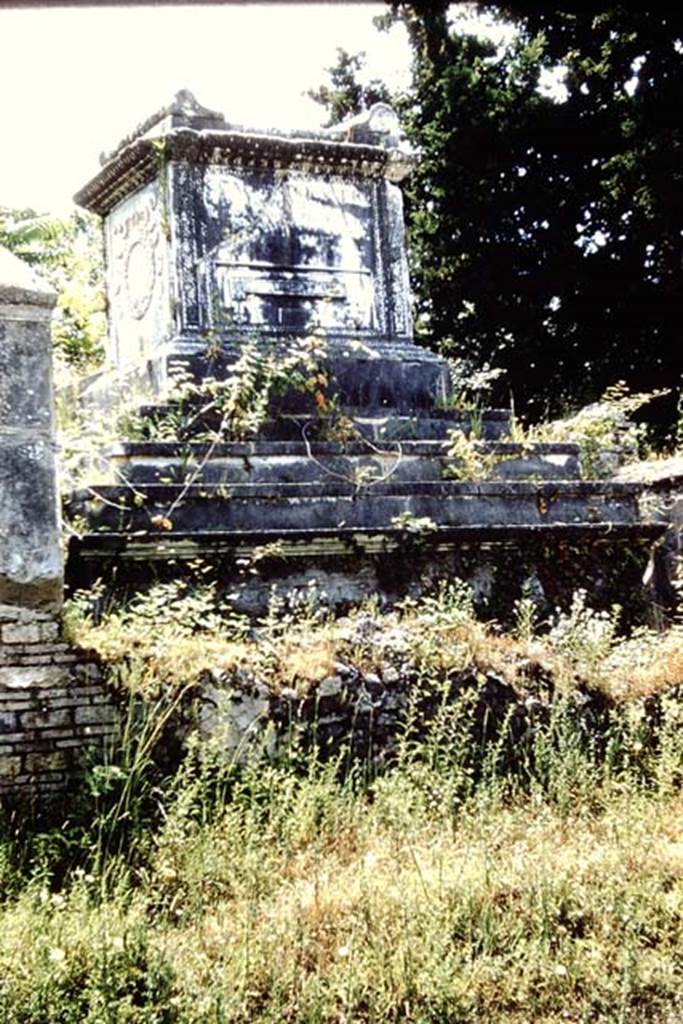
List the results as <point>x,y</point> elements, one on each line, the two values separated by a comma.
<point>70,700</point>
<point>32,677</point>
<point>37,762</point>
<point>49,631</point>
<point>65,732</point>
<point>10,767</point>
<point>21,632</point>
<point>100,698</point>
<point>45,717</point>
<point>17,613</point>
<point>95,715</point>
<point>15,652</point>
<point>30,552</point>
<point>16,700</point>
<point>8,721</point>
<point>25,373</point>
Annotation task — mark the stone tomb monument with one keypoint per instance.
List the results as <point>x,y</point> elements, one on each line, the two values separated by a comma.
<point>217,236</point>
<point>214,234</point>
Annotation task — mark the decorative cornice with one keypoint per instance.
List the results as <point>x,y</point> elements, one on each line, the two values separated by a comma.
<point>131,169</point>
<point>183,110</point>
<point>366,146</point>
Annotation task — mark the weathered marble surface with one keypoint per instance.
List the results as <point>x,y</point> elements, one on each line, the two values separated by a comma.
<point>138,276</point>
<point>30,544</point>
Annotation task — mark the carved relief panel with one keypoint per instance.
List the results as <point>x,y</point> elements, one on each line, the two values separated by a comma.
<point>137,268</point>
<point>292,252</point>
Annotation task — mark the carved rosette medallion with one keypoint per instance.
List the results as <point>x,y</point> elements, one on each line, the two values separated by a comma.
<point>135,241</point>
<point>140,272</point>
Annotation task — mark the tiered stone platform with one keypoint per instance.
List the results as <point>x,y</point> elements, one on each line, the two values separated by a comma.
<point>368,515</point>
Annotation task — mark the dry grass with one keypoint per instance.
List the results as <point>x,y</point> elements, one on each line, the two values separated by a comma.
<point>304,660</point>
<point>649,662</point>
<point>281,892</point>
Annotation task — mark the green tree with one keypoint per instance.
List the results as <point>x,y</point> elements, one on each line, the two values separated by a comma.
<point>67,253</point>
<point>481,250</point>
<point>345,94</point>
<point>621,151</point>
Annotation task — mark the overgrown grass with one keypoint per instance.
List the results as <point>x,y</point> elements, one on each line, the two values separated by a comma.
<point>307,898</point>
<point>445,888</point>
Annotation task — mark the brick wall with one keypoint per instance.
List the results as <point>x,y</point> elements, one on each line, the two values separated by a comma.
<point>54,704</point>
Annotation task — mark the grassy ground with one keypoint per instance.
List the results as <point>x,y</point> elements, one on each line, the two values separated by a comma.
<point>449,887</point>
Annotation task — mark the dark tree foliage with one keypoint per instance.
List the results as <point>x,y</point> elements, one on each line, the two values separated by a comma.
<point>481,249</point>
<point>546,230</point>
<point>616,142</point>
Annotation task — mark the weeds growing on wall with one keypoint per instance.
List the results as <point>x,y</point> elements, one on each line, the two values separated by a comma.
<point>606,434</point>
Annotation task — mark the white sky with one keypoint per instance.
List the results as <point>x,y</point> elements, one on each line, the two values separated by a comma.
<point>73,81</point>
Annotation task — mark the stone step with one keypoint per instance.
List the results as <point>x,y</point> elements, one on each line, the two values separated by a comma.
<point>141,463</point>
<point>286,506</point>
<point>387,425</point>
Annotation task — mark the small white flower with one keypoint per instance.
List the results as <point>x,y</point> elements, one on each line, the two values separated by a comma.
<point>343,952</point>
<point>57,955</point>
